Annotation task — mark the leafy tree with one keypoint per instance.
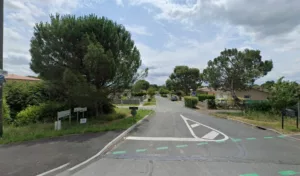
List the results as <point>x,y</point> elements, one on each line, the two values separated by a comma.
<point>155,86</point>
<point>163,90</point>
<point>141,85</point>
<point>170,84</point>
<point>84,58</point>
<point>236,70</point>
<point>151,92</point>
<point>284,94</point>
<point>184,78</point>
<point>267,85</point>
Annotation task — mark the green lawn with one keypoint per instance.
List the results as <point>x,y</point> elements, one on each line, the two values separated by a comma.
<point>38,131</point>
<point>151,103</point>
<point>268,120</point>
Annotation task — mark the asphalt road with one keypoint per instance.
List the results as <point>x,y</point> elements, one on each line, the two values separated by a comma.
<point>180,141</point>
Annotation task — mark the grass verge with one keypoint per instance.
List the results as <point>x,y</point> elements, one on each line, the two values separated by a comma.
<point>267,120</point>
<point>151,103</point>
<point>126,104</point>
<point>37,131</point>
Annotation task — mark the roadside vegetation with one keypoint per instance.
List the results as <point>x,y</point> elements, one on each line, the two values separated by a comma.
<point>152,102</point>
<point>120,120</point>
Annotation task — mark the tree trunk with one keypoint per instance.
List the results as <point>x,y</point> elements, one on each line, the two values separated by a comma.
<point>235,98</point>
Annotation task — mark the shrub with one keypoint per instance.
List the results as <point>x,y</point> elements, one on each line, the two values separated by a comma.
<point>163,95</point>
<point>190,102</point>
<point>202,97</point>
<point>19,95</point>
<point>163,91</point>
<point>46,112</point>
<point>6,112</point>
<point>151,92</point>
<point>263,106</point>
<point>211,104</point>
<point>138,94</point>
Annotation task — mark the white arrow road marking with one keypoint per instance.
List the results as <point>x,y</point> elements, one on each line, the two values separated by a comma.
<point>195,125</point>
<point>210,135</point>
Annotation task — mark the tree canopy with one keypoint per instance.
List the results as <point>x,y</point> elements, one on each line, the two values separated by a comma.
<point>141,85</point>
<point>284,94</point>
<point>268,84</point>
<point>184,78</point>
<point>236,70</point>
<point>85,57</point>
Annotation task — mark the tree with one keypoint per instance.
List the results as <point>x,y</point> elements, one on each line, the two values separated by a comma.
<point>236,70</point>
<point>151,92</point>
<point>141,85</point>
<point>84,57</point>
<point>155,86</point>
<point>284,94</point>
<point>184,78</point>
<point>267,85</point>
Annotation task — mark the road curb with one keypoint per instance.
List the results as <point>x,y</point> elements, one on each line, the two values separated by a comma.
<point>260,127</point>
<point>111,144</point>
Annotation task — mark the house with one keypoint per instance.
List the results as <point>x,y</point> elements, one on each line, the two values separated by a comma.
<point>13,77</point>
<point>252,94</point>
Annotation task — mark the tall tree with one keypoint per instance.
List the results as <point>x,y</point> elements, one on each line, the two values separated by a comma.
<point>141,85</point>
<point>268,85</point>
<point>236,70</point>
<point>184,78</point>
<point>94,54</point>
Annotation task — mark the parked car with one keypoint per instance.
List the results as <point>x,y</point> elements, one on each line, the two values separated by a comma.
<point>174,98</point>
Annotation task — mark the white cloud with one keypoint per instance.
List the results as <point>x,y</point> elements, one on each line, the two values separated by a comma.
<point>120,2</point>
<point>137,29</point>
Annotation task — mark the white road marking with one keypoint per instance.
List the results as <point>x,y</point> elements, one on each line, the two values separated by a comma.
<point>55,169</point>
<point>210,135</point>
<point>195,125</point>
<point>195,139</point>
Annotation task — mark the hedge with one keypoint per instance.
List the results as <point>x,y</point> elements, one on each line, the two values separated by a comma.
<point>202,97</point>
<point>190,102</point>
<point>139,94</point>
<point>263,106</point>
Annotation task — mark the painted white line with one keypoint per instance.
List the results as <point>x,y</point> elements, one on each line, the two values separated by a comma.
<point>53,170</point>
<point>210,135</point>
<point>225,136</point>
<point>191,131</point>
<point>195,125</point>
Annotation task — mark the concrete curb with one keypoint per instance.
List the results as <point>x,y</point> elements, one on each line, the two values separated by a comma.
<point>111,144</point>
<point>260,127</point>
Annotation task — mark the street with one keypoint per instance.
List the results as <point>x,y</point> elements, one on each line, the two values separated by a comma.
<point>180,141</point>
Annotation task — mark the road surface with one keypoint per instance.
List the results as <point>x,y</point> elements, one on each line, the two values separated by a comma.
<point>177,141</point>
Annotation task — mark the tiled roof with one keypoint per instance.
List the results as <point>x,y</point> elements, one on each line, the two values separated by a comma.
<point>18,77</point>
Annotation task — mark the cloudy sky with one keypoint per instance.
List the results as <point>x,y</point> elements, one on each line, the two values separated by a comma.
<point>172,32</point>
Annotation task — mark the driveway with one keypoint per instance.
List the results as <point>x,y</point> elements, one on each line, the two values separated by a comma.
<point>180,141</point>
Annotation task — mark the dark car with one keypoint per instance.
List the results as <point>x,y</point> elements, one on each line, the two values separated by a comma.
<point>174,98</point>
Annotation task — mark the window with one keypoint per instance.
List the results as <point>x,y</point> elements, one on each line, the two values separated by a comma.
<point>247,96</point>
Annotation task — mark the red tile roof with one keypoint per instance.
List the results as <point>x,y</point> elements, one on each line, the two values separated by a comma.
<point>18,77</point>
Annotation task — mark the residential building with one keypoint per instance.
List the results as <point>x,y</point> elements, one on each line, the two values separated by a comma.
<point>13,77</point>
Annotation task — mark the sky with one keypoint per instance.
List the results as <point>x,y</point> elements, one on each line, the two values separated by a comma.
<point>172,32</point>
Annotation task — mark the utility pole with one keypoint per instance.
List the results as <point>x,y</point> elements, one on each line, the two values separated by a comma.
<point>1,64</point>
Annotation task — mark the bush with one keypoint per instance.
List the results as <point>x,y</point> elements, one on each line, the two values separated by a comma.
<point>6,112</point>
<point>138,94</point>
<point>190,102</point>
<point>151,92</point>
<point>211,104</point>
<point>202,97</point>
<point>46,112</point>
<point>263,106</point>
<point>19,95</point>
<point>163,95</point>
<point>163,91</point>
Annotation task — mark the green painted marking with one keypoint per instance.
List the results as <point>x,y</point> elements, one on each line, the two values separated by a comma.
<point>268,137</point>
<point>251,139</point>
<point>161,148</point>
<point>202,143</point>
<point>220,141</point>
<point>140,150</point>
<point>282,136</point>
<point>288,172</point>
<point>118,152</point>
<point>252,174</point>
<point>236,140</point>
<point>181,146</point>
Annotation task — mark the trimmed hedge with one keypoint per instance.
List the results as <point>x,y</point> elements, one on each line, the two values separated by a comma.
<point>202,97</point>
<point>190,102</point>
<point>263,106</point>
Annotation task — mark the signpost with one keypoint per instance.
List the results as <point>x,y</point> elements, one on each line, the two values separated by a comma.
<point>80,109</point>
<point>61,114</point>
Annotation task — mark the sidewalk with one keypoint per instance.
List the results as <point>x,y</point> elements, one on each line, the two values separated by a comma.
<point>35,157</point>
